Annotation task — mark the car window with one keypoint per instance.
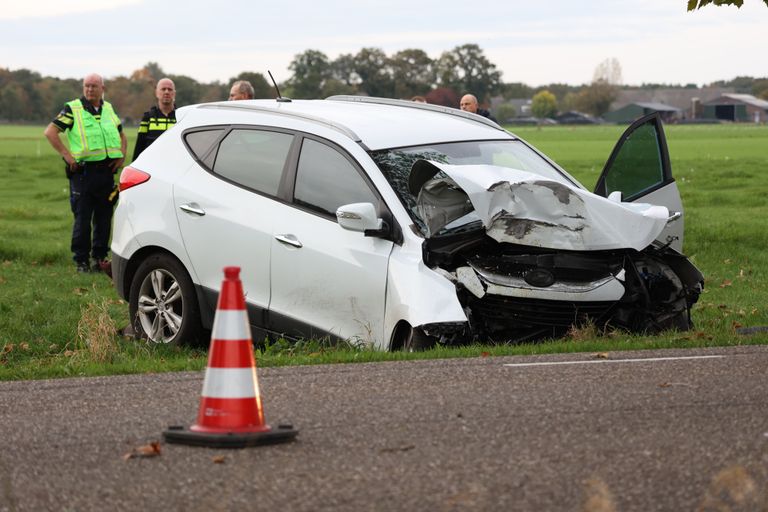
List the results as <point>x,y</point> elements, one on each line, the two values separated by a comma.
<point>200,142</point>
<point>638,166</point>
<point>325,180</point>
<point>253,158</point>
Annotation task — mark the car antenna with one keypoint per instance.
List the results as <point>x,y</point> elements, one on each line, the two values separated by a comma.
<point>279,98</point>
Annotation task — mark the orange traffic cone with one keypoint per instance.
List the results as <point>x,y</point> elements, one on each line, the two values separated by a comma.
<point>230,414</point>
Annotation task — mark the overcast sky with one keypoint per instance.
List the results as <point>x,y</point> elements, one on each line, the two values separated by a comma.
<point>534,41</point>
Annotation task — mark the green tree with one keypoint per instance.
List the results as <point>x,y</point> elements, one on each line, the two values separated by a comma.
<point>544,104</point>
<point>343,70</point>
<point>413,73</point>
<point>310,71</point>
<point>373,67</point>
<point>516,90</point>
<point>188,90</point>
<point>698,4</point>
<point>466,69</point>
<point>596,98</point>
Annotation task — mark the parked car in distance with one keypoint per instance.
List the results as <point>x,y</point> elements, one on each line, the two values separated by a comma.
<point>397,224</point>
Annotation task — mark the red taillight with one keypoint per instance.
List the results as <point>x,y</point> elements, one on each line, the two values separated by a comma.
<point>130,177</point>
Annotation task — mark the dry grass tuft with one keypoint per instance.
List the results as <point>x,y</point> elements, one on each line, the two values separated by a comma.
<point>96,332</point>
<point>584,332</point>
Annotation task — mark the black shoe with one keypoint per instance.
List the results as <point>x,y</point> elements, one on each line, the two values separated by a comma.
<point>83,267</point>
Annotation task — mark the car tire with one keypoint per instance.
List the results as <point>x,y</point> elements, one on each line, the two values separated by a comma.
<point>417,341</point>
<point>162,302</point>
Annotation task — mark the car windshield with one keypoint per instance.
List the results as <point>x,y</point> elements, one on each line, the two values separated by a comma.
<point>396,166</point>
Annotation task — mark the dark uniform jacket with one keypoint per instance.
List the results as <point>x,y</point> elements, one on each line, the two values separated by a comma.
<point>153,124</point>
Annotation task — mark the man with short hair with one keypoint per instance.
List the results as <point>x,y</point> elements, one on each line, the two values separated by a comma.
<point>469,103</point>
<point>95,151</point>
<point>241,90</point>
<point>159,118</point>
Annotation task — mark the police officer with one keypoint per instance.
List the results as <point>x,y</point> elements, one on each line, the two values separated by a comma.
<point>95,151</point>
<point>159,118</point>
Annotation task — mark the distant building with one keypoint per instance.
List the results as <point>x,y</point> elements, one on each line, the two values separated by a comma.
<point>743,108</point>
<point>688,100</point>
<point>632,111</point>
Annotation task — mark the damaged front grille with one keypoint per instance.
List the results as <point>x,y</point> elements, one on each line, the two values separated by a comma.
<point>513,319</point>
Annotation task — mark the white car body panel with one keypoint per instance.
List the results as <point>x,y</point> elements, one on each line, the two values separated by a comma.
<point>335,281</point>
<point>235,230</point>
<point>418,294</point>
<point>672,233</point>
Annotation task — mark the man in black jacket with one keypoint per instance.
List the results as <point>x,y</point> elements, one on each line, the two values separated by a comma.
<point>469,104</point>
<point>159,118</point>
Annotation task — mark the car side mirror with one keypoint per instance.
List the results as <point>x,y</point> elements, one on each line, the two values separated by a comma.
<point>360,217</point>
<point>616,196</point>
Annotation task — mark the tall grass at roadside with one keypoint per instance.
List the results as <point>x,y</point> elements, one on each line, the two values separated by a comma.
<point>721,171</point>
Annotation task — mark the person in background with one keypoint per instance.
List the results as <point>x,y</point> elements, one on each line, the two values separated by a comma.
<point>241,90</point>
<point>95,151</point>
<point>159,118</point>
<point>469,103</point>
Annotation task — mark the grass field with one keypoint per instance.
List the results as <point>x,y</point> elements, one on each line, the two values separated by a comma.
<point>55,322</point>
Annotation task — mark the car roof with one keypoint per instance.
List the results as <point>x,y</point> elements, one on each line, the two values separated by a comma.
<point>376,123</point>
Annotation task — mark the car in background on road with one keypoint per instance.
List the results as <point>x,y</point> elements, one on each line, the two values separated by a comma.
<point>396,224</point>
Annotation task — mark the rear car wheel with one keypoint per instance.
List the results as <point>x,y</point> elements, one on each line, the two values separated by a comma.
<point>162,302</point>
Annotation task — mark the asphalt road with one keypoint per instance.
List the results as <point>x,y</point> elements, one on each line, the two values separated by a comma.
<point>469,434</point>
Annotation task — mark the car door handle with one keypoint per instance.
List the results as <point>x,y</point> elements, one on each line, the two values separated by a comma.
<point>289,239</point>
<point>193,208</point>
<point>673,216</point>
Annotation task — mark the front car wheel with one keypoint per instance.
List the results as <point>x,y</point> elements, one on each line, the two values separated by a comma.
<point>162,302</point>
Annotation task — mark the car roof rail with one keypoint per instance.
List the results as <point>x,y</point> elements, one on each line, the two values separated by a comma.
<point>241,105</point>
<point>415,104</point>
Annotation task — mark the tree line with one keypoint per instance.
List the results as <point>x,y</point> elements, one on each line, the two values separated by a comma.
<point>26,96</point>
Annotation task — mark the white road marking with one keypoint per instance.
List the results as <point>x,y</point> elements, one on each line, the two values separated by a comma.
<point>595,361</point>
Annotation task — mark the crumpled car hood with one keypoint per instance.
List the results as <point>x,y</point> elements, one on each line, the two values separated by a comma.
<point>524,208</point>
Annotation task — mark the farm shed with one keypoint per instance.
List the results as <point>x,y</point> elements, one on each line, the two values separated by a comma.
<point>743,108</point>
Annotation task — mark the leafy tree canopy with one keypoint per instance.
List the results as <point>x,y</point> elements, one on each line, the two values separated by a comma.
<point>698,4</point>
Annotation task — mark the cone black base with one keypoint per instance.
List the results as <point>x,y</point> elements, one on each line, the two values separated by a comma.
<point>181,435</point>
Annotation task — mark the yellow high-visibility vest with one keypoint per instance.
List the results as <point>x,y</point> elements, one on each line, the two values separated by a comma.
<point>92,140</point>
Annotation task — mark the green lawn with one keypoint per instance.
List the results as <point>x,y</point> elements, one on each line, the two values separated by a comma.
<point>721,172</point>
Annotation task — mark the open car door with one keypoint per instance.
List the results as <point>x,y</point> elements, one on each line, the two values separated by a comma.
<point>639,169</point>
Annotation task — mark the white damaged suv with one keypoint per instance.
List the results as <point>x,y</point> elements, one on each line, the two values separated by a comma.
<point>396,224</point>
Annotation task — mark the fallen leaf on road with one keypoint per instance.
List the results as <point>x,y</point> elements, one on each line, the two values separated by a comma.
<point>601,355</point>
<point>148,450</point>
<point>219,459</point>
